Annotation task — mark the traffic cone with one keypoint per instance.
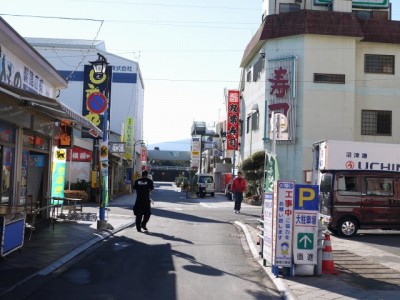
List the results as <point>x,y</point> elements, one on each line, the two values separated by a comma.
<point>328,266</point>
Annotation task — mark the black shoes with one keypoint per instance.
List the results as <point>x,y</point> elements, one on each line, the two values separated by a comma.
<point>139,230</point>
<point>144,228</point>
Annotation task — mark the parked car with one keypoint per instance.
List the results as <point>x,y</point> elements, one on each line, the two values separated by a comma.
<point>228,192</point>
<point>207,181</point>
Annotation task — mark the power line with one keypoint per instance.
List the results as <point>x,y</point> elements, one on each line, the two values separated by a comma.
<point>167,5</point>
<point>52,17</point>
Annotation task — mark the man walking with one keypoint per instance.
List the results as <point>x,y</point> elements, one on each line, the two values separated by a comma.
<point>142,209</point>
<point>237,188</point>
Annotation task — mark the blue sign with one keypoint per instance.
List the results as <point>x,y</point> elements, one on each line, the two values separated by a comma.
<point>306,197</point>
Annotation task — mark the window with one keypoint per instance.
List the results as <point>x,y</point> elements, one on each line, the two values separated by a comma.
<point>380,186</point>
<point>376,122</point>
<point>248,78</point>
<point>254,120</point>
<point>258,68</point>
<point>329,78</point>
<point>363,14</point>
<point>381,64</point>
<point>348,186</point>
<point>288,7</point>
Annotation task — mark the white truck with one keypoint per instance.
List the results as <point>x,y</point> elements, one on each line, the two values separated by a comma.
<point>359,185</point>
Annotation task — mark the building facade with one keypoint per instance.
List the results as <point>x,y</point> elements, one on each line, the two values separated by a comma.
<point>70,57</point>
<point>317,70</point>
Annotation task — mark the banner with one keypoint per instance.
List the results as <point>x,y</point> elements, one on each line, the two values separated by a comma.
<point>271,175</point>
<point>58,174</point>
<point>128,138</point>
<point>96,97</point>
<point>233,109</point>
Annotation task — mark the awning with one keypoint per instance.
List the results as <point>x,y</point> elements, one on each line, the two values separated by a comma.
<point>51,107</point>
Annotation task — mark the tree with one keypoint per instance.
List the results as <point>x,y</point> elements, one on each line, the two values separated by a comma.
<point>253,169</point>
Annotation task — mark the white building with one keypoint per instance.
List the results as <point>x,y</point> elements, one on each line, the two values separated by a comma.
<point>327,70</point>
<point>127,96</point>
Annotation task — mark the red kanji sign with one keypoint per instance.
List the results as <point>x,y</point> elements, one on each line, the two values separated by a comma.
<point>232,133</point>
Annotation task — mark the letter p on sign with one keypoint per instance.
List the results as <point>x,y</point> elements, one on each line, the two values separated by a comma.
<point>306,197</point>
<point>306,194</point>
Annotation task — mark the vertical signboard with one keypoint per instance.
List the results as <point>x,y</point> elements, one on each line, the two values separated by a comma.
<point>305,224</point>
<point>96,97</point>
<point>281,99</point>
<point>233,120</point>
<point>195,158</point>
<point>271,176</point>
<point>283,224</point>
<point>128,137</point>
<point>143,155</point>
<point>58,174</point>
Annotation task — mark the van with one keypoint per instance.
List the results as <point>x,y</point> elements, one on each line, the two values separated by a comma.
<point>360,200</point>
<point>359,185</point>
<point>206,180</point>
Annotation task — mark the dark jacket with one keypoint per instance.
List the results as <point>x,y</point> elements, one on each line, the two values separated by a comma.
<point>143,186</point>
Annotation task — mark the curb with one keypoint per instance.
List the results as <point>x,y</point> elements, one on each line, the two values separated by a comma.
<point>282,287</point>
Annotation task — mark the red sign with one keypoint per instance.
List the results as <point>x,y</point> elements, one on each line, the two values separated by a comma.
<point>143,155</point>
<point>232,134</point>
<point>79,154</point>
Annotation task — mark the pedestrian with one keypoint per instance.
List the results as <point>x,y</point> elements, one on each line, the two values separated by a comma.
<point>141,209</point>
<point>237,188</point>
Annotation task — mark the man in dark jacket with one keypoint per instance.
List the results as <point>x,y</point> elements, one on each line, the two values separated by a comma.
<point>142,209</point>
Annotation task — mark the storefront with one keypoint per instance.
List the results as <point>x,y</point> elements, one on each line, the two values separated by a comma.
<point>30,127</point>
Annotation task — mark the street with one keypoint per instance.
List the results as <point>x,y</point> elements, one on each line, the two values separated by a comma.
<point>192,251</point>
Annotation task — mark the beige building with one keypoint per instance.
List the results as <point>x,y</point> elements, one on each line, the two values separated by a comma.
<point>319,72</point>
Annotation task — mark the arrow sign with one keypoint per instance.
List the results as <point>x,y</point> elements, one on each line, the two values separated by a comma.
<point>305,241</point>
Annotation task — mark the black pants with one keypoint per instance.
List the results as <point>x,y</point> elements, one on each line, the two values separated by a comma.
<point>141,220</point>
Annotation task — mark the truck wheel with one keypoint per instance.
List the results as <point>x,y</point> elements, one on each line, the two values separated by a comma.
<point>347,227</point>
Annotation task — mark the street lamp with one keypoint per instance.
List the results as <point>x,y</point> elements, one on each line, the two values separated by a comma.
<point>99,65</point>
<point>100,68</point>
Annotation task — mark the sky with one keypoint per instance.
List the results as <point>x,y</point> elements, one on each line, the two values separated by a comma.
<point>189,51</point>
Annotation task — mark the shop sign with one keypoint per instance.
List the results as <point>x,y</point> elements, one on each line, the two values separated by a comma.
<point>359,3</point>
<point>143,155</point>
<point>233,109</point>
<point>79,154</point>
<point>96,102</point>
<point>58,174</point>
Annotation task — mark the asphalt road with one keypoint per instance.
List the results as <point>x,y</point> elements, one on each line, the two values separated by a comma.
<point>192,251</point>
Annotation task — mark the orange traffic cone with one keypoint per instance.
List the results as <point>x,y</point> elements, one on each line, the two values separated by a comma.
<point>328,266</point>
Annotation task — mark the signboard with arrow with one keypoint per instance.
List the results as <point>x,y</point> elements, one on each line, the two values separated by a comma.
<point>305,224</point>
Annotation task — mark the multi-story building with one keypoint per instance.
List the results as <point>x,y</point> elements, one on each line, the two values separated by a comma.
<point>319,70</point>
<point>69,57</point>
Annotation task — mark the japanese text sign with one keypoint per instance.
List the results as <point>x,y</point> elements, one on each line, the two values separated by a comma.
<point>283,224</point>
<point>305,224</point>
<point>233,120</point>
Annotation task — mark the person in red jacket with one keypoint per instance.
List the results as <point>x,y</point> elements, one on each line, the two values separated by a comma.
<point>237,188</point>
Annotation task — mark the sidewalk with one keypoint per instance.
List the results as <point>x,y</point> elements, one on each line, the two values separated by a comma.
<point>347,284</point>
<point>51,249</point>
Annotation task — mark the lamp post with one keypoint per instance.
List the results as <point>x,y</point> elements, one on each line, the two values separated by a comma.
<point>100,68</point>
